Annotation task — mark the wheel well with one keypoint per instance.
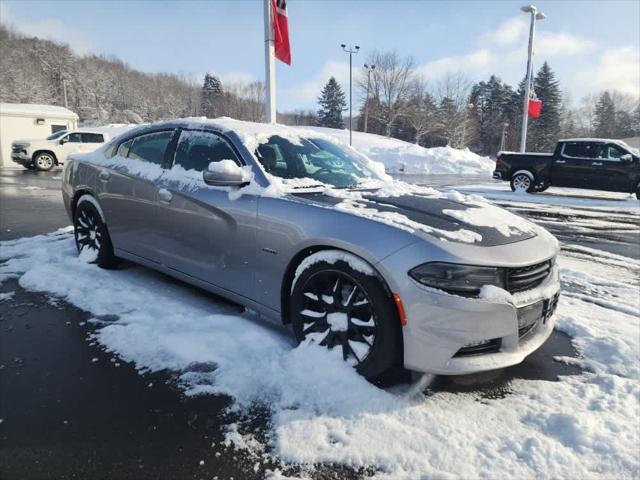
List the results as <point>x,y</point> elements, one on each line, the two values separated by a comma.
<point>529,173</point>
<point>76,197</point>
<point>38,152</point>
<point>287,279</point>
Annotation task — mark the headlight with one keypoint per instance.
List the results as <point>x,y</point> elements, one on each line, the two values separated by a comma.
<point>466,280</point>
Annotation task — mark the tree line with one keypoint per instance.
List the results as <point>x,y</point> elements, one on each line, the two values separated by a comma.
<point>396,100</point>
<point>103,89</point>
<point>485,117</point>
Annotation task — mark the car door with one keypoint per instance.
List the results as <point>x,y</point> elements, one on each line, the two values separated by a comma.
<point>613,173</point>
<point>129,193</point>
<point>71,143</point>
<point>572,168</point>
<point>207,232</point>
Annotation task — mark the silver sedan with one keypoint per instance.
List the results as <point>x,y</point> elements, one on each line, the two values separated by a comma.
<point>308,232</point>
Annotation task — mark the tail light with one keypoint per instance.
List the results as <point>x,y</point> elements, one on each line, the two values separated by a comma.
<point>498,161</point>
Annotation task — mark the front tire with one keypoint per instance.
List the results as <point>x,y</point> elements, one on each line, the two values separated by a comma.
<point>522,182</point>
<point>337,306</point>
<point>92,237</point>
<point>44,161</point>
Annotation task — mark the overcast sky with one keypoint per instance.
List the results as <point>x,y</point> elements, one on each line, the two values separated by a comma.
<point>592,45</point>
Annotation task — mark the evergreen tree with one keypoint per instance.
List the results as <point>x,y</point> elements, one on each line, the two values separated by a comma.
<point>211,97</point>
<point>605,117</point>
<point>544,131</point>
<point>332,103</point>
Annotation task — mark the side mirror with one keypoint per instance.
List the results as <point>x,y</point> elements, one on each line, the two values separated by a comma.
<point>63,140</point>
<point>626,158</point>
<point>225,173</point>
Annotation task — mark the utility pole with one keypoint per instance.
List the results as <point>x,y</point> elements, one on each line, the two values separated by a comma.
<point>269,64</point>
<point>351,52</point>
<point>535,15</point>
<point>369,69</point>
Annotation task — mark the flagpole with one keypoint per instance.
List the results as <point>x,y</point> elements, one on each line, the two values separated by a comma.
<point>269,64</point>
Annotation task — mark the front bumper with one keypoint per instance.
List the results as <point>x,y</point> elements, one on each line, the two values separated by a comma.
<point>442,325</point>
<point>21,158</point>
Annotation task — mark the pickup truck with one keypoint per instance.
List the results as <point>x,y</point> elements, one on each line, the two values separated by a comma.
<point>43,154</point>
<point>592,163</point>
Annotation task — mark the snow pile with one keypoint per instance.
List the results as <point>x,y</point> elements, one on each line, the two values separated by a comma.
<point>403,157</point>
<point>581,426</point>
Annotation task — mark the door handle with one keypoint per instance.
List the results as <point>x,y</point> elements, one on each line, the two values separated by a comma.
<point>104,175</point>
<point>561,161</point>
<point>597,164</point>
<point>164,195</point>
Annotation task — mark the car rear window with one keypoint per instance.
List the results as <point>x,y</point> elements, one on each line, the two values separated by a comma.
<point>151,147</point>
<point>580,149</point>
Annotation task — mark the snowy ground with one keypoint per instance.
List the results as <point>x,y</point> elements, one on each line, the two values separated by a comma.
<point>323,413</point>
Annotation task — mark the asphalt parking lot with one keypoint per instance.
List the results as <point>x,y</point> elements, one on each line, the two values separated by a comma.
<point>70,410</point>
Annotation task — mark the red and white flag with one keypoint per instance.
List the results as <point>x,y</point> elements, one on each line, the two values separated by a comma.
<point>281,31</point>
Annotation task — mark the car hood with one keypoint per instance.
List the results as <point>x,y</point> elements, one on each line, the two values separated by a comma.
<point>31,140</point>
<point>438,216</point>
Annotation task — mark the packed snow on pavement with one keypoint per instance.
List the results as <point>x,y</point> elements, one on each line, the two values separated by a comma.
<point>323,412</point>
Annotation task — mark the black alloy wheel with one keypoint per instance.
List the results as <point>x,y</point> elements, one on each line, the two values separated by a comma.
<point>91,234</point>
<point>340,308</point>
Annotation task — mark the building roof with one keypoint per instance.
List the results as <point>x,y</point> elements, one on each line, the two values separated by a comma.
<point>32,110</point>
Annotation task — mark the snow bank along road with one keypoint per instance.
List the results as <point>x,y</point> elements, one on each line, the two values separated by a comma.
<point>322,417</point>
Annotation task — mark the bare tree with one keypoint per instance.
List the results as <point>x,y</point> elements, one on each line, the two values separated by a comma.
<point>391,87</point>
<point>453,92</point>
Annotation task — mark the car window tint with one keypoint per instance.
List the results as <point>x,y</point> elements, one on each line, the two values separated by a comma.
<point>614,153</point>
<point>92,138</point>
<point>196,150</point>
<point>151,147</point>
<point>74,138</point>
<point>580,150</point>
<point>123,149</point>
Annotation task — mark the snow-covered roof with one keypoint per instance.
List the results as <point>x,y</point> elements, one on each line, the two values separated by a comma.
<point>30,109</point>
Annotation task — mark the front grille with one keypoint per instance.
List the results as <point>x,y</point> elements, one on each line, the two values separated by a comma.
<point>526,278</point>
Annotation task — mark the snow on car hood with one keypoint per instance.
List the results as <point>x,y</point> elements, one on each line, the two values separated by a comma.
<point>449,217</point>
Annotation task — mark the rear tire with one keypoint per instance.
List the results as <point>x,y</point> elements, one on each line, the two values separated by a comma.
<point>522,182</point>
<point>91,234</point>
<point>44,161</point>
<point>349,310</point>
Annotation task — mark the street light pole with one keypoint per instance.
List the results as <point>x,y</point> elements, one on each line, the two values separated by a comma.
<point>535,15</point>
<point>369,69</point>
<point>351,52</point>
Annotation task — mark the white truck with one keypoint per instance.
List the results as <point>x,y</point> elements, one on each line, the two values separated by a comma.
<point>44,154</point>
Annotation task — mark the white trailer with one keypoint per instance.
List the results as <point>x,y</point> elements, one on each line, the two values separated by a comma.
<point>20,121</point>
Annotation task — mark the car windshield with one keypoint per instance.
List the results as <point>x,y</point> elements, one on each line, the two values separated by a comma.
<point>56,135</point>
<point>313,158</point>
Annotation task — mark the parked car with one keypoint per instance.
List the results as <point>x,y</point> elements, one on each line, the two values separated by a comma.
<point>44,154</point>
<point>592,163</point>
<point>308,232</point>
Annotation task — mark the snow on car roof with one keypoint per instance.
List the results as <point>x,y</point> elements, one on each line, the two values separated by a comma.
<point>35,109</point>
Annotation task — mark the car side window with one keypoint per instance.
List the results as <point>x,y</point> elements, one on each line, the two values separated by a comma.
<point>580,150</point>
<point>92,138</point>
<point>196,150</point>
<point>74,138</point>
<point>150,147</point>
<point>123,149</point>
<point>614,153</point>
